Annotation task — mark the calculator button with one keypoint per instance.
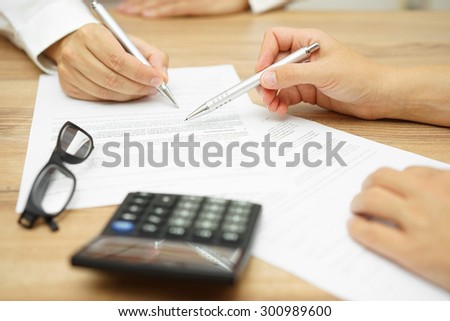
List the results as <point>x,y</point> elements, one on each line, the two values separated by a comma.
<point>122,226</point>
<point>154,219</point>
<point>184,213</point>
<point>187,205</point>
<point>140,201</point>
<point>206,224</point>
<point>134,208</point>
<point>159,211</point>
<point>235,228</point>
<point>165,200</point>
<point>203,234</point>
<point>177,231</point>
<point>212,216</point>
<point>236,218</point>
<point>129,216</point>
<point>179,221</point>
<point>149,228</point>
<point>239,210</point>
<point>230,237</point>
<point>218,208</point>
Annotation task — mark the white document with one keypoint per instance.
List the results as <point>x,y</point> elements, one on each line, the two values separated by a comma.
<point>304,231</point>
<point>305,209</point>
<point>146,121</point>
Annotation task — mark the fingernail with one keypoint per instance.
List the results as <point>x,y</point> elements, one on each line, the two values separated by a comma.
<point>155,82</point>
<point>269,79</point>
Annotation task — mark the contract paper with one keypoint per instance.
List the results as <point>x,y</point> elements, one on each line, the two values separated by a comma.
<point>152,120</point>
<point>305,209</point>
<point>304,231</point>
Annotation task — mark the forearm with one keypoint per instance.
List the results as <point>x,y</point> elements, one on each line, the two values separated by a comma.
<point>420,93</point>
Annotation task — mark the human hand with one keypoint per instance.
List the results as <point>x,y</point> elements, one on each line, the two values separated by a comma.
<point>337,78</point>
<point>169,8</point>
<point>417,202</point>
<point>93,65</point>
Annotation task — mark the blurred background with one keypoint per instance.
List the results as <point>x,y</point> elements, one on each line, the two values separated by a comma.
<point>354,4</point>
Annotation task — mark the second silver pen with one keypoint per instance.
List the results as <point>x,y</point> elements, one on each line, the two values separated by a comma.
<point>250,83</point>
<point>126,42</point>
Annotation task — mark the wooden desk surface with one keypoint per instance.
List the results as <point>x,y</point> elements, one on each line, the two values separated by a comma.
<point>35,264</point>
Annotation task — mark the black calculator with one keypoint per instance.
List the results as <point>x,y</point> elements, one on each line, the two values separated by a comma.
<point>175,235</point>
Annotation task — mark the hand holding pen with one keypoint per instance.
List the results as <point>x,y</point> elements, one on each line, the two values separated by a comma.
<point>241,88</point>
<point>129,46</point>
<point>337,78</point>
<point>93,65</point>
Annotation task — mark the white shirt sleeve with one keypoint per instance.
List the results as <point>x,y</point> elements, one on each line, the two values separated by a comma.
<point>34,25</point>
<point>259,6</point>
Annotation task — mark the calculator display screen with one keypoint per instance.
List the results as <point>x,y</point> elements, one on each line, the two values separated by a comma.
<point>163,253</point>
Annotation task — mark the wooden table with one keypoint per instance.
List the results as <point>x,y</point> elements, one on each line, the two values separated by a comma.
<point>35,264</point>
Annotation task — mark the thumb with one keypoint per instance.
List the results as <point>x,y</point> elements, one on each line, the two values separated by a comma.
<point>291,75</point>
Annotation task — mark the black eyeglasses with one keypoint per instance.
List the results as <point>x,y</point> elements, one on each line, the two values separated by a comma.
<point>54,186</point>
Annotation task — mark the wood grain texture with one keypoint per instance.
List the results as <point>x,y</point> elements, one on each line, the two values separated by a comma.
<point>35,264</point>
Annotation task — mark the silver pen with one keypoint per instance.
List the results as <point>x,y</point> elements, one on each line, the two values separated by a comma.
<point>127,44</point>
<point>250,83</point>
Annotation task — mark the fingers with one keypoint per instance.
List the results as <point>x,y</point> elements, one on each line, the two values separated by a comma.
<point>384,197</point>
<point>88,67</point>
<point>161,8</point>
<point>423,172</point>
<point>385,193</point>
<point>381,204</point>
<point>172,8</point>
<point>135,6</point>
<point>275,102</point>
<point>157,58</point>
<point>395,181</point>
<point>94,66</point>
<point>278,42</point>
<point>178,9</point>
<point>419,200</point>
<point>384,200</point>
<point>105,47</point>
<point>279,101</point>
<point>80,87</point>
<point>292,75</point>
<point>378,237</point>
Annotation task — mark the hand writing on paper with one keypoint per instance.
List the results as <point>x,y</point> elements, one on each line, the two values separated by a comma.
<point>168,8</point>
<point>93,65</point>
<point>417,202</point>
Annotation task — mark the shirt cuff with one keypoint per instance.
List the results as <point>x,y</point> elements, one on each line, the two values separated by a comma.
<point>52,23</point>
<point>259,6</point>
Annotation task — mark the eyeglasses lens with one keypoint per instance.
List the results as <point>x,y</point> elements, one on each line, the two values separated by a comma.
<point>75,142</point>
<point>53,189</point>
